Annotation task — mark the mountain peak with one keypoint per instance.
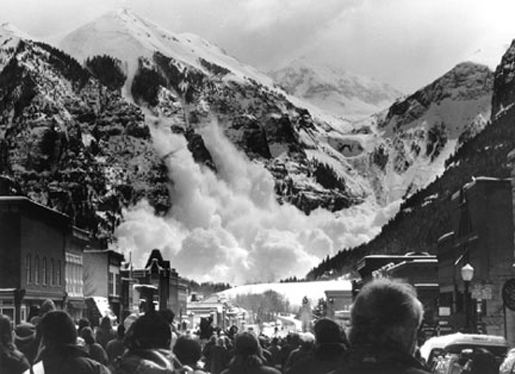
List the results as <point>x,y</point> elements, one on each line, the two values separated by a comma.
<point>9,30</point>
<point>336,90</point>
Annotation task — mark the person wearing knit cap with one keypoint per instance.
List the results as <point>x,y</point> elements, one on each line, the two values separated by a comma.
<point>329,353</point>
<point>247,357</point>
<point>59,353</point>
<point>25,340</point>
<point>12,361</point>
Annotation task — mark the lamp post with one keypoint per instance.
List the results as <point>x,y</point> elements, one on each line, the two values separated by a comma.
<point>467,273</point>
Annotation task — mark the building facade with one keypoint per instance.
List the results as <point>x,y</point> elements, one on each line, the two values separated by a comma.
<point>102,280</point>
<point>74,270</point>
<point>171,292</point>
<point>481,236</point>
<point>33,239</point>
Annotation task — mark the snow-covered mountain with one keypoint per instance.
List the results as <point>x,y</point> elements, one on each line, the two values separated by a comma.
<point>409,143</point>
<point>135,125</point>
<point>185,78</point>
<point>337,91</point>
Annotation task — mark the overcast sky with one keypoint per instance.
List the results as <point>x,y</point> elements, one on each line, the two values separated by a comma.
<point>407,43</point>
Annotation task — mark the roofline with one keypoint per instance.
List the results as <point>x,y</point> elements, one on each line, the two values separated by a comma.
<point>26,200</point>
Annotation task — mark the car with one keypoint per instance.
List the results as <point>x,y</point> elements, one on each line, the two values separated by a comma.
<point>448,353</point>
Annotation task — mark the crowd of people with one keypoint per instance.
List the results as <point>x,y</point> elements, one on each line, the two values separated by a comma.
<point>385,320</point>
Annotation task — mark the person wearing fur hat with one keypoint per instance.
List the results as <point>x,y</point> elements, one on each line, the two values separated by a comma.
<point>12,361</point>
<point>25,340</point>
<point>247,357</point>
<point>148,343</point>
<point>58,351</point>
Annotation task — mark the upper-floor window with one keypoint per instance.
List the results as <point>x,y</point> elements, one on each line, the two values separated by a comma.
<point>45,272</point>
<point>59,276</point>
<point>37,274</point>
<point>52,272</point>
<point>28,269</point>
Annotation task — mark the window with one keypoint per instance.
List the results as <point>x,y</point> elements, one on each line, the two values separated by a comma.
<point>52,272</point>
<point>28,269</point>
<point>36,270</point>
<point>45,272</point>
<point>59,277</point>
<point>111,284</point>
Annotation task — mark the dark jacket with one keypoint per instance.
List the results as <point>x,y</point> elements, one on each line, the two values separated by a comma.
<point>385,363</point>
<point>144,361</point>
<point>12,361</point>
<point>70,359</point>
<point>326,358</point>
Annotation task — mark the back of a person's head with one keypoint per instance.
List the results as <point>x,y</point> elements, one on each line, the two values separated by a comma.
<point>150,331</point>
<point>168,315</point>
<point>87,334</point>
<point>246,344</point>
<point>83,322</point>
<point>47,306</point>
<point>106,323</point>
<point>386,315</point>
<point>187,349</point>
<point>6,335</point>
<point>58,329</point>
<point>328,331</point>
<point>307,340</point>
<point>120,331</point>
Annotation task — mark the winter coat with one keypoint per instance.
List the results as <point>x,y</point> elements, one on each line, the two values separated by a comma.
<point>384,363</point>
<point>115,348</point>
<point>326,358</point>
<point>12,361</point>
<point>70,359</point>
<point>144,361</point>
<point>97,353</point>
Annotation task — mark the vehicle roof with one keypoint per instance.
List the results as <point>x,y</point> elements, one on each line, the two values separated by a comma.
<point>461,339</point>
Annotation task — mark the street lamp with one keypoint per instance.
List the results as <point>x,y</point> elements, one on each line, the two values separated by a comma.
<point>467,273</point>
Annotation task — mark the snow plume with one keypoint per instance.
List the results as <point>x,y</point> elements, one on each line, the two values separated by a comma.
<point>228,226</point>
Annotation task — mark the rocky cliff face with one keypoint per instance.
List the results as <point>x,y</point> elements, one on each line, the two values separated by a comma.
<point>187,80</point>
<point>414,137</point>
<point>72,144</point>
<point>504,87</point>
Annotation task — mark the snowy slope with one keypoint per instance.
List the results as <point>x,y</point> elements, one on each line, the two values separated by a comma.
<point>335,90</point>
<point>411,141</point>
<point>293,292</point>
<point>10,36</point>
<point>127,36</point>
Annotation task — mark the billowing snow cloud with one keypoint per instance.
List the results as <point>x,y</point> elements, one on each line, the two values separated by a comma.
<point>229,226</point>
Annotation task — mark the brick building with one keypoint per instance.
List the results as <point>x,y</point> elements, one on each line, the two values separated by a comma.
<point>171,292</point>
<point>32,255</point>
<point>482,236</point>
